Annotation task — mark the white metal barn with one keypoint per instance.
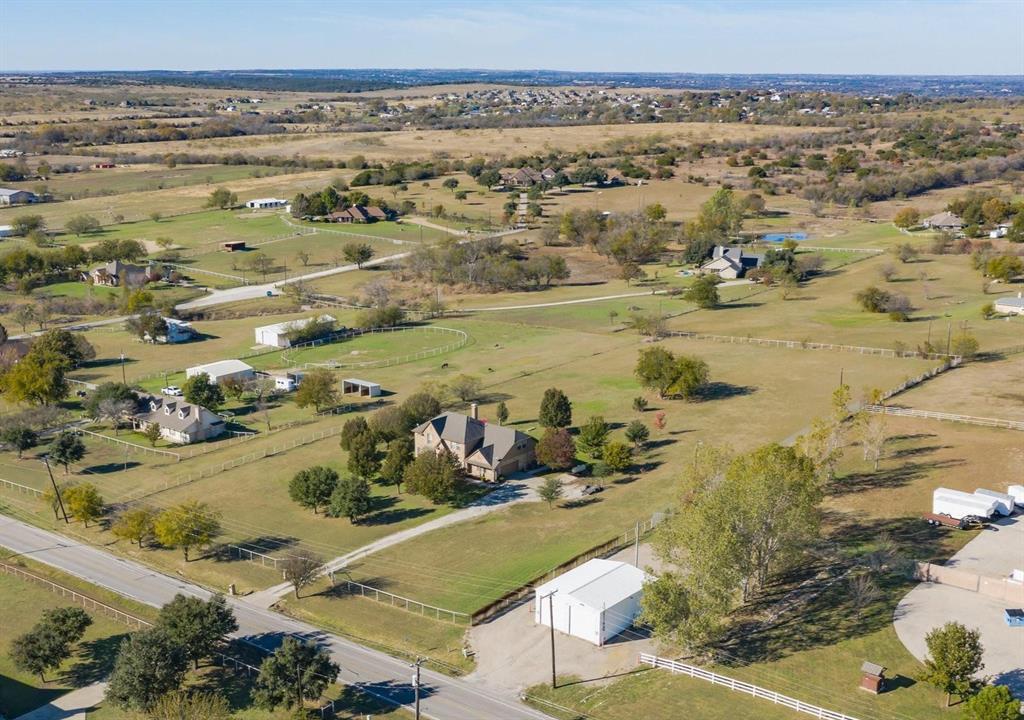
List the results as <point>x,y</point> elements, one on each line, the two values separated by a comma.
<point>265,203</point>
<point>223,370</point>
<point>595,601</point>
<point>276,335</point>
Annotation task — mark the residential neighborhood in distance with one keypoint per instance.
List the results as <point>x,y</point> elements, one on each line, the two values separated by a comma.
<point>681,376</point>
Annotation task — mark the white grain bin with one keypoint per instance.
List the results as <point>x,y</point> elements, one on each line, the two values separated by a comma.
<point>1004,503</point>
<point>959,505</point>
<point>1017,493</point>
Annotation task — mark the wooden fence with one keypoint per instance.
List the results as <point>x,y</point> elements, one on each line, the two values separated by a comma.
<point>742,687</point>
<point>950,417</point>
<point>76,597</point>
<point>609,547</point>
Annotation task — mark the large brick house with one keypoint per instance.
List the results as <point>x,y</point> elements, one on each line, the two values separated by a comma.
<point>484,450</point>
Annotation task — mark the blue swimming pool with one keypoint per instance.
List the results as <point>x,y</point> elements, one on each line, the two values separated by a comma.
<point>782,237</point>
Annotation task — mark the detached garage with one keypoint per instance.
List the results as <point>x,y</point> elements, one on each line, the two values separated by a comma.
<point>594,602</point>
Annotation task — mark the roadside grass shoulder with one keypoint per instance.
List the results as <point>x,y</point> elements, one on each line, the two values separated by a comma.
<point>23,603</point>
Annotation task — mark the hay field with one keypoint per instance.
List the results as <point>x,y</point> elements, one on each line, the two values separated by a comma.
<point>423,144</point>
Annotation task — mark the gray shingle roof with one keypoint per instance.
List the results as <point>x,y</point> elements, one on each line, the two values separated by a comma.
<point>486,444</point>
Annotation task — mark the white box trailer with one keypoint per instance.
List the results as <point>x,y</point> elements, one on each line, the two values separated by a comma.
<point>1004,503</point>
<point>959,505</point>
<point>1017,493</point>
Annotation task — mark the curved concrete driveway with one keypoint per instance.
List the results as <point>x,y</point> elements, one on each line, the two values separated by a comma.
<point>995,552</point>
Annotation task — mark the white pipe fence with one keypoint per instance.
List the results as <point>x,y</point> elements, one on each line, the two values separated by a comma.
<point>233,463</point>
<point>950,417</point>
<point>134,446</point>
<point>463,338</point>
<point>405,603</point>
<point>18,487</point>
<point>808,345</point>
<point>742,687</point>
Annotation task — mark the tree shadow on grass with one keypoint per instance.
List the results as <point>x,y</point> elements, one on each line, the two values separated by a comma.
<point>889,477</point>
<point>581,502</point>
<point>396,515</point>
<point>111,467</point>
<point>724,390</point>
<point>95,661</point>
<point>830,613</point>
<point>264,544</point>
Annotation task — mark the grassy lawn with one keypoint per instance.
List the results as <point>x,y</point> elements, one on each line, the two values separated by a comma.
<point>983,389</point>
<point>23,603</point>
<point>826,311</point>
<point>369,622</point>
<point>456,567</point>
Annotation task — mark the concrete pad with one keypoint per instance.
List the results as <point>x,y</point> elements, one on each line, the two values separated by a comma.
<point>995,552</point>
<point>74,705</point>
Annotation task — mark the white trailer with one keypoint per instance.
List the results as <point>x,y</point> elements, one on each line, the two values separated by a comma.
<point>1017,493</point>
<point>959,505</point>
<point>1004,503</point>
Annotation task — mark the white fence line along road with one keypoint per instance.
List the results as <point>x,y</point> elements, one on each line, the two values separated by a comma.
<point>369,671</point>
<point>18,487</point>
<point>742,687</point>
<point>950,417</point>
<point>77,597</point>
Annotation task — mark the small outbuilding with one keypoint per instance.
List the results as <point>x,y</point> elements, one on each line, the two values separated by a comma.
<point>1009,305</point>
<point>223,370</point>
<point>234,245</point>
<point>872,678</point>
<point>363,388</point>
<point>595,601</point>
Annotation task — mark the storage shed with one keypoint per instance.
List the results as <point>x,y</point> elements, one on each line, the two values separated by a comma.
<point>595,601</point>
<point>363,388</point>
<point>223,370</point>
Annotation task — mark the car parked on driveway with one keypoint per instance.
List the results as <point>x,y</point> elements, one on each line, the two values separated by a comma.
<point>172,390</point>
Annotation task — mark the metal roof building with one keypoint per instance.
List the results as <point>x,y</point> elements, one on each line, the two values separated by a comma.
<point>595,601</point>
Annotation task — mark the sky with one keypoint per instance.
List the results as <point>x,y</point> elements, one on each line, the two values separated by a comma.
<point>912,37</point>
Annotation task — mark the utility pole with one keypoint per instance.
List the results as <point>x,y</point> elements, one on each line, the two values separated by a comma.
<point>551,625</point>
<point>416,685</point>
<point>124,381</point>
<point>56,492</point>
<point>949,336</point>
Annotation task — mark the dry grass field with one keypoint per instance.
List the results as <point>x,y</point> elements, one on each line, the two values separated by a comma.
<point>408,145</point>
<point>991,389</point>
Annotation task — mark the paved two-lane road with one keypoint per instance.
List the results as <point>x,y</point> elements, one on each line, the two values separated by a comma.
<point>443,698</point>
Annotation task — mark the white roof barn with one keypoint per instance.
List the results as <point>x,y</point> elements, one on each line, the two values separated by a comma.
<point>265,203</point>
<point>1010,304</point>
<point>595,601</point>
<point>276,335</point>
<point>222,370</point>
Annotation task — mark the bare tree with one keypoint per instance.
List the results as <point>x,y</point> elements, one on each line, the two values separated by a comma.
<point>115,411</point>
<point>377,294</point>
<point>862,591</point>
<point>887,272</point>
<point>301,568</point>
<point>873,437</point>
